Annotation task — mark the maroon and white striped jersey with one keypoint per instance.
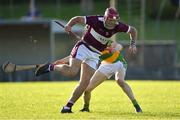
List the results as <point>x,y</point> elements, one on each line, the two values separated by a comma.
<point>97,35</point>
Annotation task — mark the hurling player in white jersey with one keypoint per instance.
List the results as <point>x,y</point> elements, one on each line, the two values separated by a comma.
<point>86,52</point>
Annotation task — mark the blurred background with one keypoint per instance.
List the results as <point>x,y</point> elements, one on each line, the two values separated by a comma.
<point>27,35</point>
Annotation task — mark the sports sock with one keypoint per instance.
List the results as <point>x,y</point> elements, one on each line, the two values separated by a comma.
<point>136,105</point>
<point>70,104</point>
<point>86,106</point>
<point>51,67</point>
<point>134,102</point>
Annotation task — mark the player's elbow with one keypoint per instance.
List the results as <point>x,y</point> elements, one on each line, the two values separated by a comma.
<point>133,30</point>
<point>79,19</point>
<point>133,33</point>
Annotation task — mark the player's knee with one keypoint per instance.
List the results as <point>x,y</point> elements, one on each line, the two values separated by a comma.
<point>88,90</point>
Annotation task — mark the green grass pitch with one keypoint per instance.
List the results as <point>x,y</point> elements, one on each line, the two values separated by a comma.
<point>160,100</point>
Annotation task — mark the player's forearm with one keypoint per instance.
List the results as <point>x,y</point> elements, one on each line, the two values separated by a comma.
<point>76,20</point>
<point>133,35</point>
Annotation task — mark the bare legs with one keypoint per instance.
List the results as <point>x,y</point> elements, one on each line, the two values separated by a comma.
<point>97,79</point>
<point>126,88</point>
<point>86,73</point>
<point>69,70</point>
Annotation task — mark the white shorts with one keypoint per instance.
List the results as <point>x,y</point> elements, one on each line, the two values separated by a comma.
<point>110,69</point>
<point>81,52</point>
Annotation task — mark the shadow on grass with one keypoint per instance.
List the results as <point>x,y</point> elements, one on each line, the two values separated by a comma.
<point>145,114</point>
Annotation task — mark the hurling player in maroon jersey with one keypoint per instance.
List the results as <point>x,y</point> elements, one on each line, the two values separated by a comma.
<point>85,54</point>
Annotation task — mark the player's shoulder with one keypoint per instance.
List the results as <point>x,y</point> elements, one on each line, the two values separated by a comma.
<point>97,17</point>
<point>100,18</point>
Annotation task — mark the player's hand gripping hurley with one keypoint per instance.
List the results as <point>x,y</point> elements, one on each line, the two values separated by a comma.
<point>69,32</point>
